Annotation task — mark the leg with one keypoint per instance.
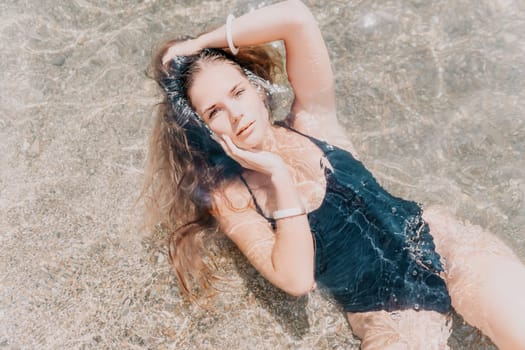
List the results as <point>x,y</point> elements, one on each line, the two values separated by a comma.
<point>401,330</point>
<point>486,280</point>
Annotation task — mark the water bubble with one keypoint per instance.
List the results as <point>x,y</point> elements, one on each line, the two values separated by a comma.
<point>369,20</point>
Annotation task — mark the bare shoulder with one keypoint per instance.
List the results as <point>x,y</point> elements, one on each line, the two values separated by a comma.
<point>233,193</point>
<point>241,223</point>
<point>234,211</point>
<point>323,127</point>
<point>229,199</point>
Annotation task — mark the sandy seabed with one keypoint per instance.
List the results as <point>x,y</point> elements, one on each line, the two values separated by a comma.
<point>431,92</point>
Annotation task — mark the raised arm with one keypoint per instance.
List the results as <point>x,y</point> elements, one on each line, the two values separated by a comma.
<point>307,61</point>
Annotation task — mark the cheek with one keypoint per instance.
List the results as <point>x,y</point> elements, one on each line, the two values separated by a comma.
<point>220,125</point>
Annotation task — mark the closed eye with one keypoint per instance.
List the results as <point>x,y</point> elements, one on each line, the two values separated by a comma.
<point>239,92</point>
<point>213,112</point>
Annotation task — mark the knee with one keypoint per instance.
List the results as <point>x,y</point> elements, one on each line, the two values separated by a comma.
<point>510,341</point>
<point>395,346</point>
<point>507,327</point>
<point>503,313</point>
<point>383,343</point>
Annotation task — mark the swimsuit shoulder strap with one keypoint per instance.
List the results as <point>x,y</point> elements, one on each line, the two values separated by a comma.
<point>270,220</point>
<point>323,145</point>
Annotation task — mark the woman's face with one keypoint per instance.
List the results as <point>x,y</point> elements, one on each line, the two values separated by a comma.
<point>229,104</point>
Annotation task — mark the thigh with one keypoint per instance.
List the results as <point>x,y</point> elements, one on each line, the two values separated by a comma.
<point>401,330</point>
<point>486,280</point>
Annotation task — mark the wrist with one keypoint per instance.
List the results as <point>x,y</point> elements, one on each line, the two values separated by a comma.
<point>281,175</point>
<point>288,213</point>
<point>200,41</point>
<point>214,39</point>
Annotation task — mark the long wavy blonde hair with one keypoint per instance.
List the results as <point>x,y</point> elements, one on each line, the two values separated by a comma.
<point>184,164</point>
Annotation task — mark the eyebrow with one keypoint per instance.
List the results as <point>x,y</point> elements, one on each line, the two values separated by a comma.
<point>231,91</point>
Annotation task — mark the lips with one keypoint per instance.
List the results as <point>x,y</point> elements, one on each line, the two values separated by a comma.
<point>245,127</point>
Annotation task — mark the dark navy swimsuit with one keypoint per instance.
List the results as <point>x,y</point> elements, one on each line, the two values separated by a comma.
<point>373,251</point>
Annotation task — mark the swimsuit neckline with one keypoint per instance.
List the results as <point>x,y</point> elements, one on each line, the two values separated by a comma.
<point>327,173</point>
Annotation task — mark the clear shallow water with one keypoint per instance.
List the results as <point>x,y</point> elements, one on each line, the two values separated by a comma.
<point>432,93</point>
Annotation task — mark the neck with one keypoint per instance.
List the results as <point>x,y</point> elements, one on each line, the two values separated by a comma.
<point>271,140</point>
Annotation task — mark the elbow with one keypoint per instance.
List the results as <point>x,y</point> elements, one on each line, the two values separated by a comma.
<point>301,288</point>
<point>301,15</point>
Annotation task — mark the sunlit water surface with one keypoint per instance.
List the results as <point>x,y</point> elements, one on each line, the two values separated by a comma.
<point>431,92</point>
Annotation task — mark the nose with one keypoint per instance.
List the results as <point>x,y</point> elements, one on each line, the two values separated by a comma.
<point>236,112</point>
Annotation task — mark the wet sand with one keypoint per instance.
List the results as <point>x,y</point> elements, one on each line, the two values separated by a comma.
<point>432,93</point>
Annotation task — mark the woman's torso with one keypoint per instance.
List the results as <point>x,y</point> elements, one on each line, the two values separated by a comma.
<point>373,250</point>
<point>303,159</point>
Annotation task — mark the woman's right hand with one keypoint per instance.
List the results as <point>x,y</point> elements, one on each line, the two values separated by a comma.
<point>181,48</point>
<point>261,161</point>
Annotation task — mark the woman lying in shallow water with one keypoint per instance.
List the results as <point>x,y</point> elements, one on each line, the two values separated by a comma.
<point>297,202</point>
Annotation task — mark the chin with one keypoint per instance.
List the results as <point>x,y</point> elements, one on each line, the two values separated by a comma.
<point>255,139</point>
<point>251,143</point>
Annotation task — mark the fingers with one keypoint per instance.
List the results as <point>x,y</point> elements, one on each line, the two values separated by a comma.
<point>182,48</point>
<point>255,160</point>
<point>233,147</point>
<point>169,55</point>
<point>215,137</point>
<point>225,146</point>
<point>247,159</point>
<point>165,59</point>
<point>232,150</point>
